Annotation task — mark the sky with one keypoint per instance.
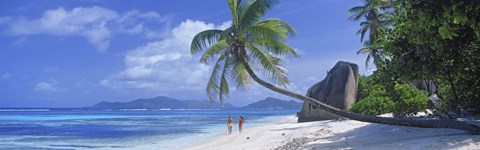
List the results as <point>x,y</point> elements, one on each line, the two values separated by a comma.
<point>57,53</point>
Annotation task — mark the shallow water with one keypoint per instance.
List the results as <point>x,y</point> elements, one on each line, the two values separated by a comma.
<point>119,128</point>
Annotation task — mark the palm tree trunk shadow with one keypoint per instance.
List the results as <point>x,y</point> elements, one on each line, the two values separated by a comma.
<point>377,136</point>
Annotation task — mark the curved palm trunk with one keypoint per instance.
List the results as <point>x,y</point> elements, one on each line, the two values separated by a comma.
<point>412,122</point>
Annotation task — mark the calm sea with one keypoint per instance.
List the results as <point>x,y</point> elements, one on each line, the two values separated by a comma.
<point>120,128</point>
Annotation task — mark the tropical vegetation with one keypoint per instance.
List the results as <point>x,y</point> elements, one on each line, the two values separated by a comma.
<point>249,43</point>
<point>376,103</point>
<point>377,15</point>
<point>431,40</point>
<point>404,101</point>
<point>253,45</point>
<point>439,41</point>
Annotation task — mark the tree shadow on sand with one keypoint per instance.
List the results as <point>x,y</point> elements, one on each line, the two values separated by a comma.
<point>376,136</point>
<point>324,123</point>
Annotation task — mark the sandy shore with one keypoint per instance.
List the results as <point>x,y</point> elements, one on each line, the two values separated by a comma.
<point>341,134</point>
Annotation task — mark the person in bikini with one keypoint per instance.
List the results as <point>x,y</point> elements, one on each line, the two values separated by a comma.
<point>230,124</point>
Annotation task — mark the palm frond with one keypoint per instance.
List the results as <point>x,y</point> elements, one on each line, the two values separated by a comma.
<point>357,9</point>
<point>367,60</point>
<point>271,65</point>
<point>368,43</point>
<point>253,11</point>
<point>364,50</point>
<point>357,12</point>
<point>271,29</point>
<point>234,8</point>
<point>213,87</point>
<point>214,50</point>
<point>363,30</point>
<point>204,39</point>
<point>217,84</point>
<point>276,47</point>
<point>224,88</point>
<point>277,22</point>
<point>240,76</point>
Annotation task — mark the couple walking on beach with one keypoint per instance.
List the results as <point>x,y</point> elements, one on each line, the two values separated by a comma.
<point>230,124</point>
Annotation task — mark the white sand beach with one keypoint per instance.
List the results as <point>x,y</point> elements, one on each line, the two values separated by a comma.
<point>340,134</point>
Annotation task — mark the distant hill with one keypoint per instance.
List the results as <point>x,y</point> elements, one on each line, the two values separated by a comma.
<point>163,102</point>
<point>206,104</point>
<point>273,103</point>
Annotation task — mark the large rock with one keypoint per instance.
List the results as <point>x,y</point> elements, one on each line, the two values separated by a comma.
<point>338,89</point>
<point>434,101</point>
<point>428,86</point>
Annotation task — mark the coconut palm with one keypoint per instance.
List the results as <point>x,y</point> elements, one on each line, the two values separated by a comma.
<point>377,15</point>
<point>251,45</point>
<point>373,50</point>
<point>257,43</point>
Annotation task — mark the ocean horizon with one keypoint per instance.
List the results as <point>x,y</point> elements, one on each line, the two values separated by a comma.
<point>86,128</point>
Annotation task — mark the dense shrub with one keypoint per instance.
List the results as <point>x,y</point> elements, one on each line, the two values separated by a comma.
<point>410,101</point>
<point>377,102</point>
<point>363,89</point>
<point>406,101</point>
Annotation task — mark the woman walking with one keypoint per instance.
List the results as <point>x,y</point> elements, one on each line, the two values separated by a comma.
<point>240,124</point>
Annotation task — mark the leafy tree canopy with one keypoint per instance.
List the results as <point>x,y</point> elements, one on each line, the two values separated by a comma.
<point>438,40</point>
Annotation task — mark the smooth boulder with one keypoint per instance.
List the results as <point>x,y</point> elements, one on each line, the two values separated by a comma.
<point>338,89</point>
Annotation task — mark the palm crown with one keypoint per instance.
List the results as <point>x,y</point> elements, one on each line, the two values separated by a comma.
<point>377,16</point>
<point>259,43</point>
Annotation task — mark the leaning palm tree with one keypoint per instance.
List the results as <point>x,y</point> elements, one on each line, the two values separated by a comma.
<point>251,45</point>
<point>377,15</point>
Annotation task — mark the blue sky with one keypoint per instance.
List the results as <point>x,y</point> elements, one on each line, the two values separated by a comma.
<point>57,53</point>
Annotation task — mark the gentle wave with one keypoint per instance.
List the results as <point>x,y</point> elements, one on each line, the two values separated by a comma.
<point>8,110</point>
<point>134,109</point>
<point>198,109</point>
<point>156,109</point>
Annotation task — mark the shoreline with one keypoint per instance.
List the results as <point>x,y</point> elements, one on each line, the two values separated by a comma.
<point>339,134</point>
<point>248,126</point>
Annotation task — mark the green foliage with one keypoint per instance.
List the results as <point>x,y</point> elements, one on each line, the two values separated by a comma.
<point>410,101</point>
<point>445,91</point>
<point>367,84</point>
<point>405,101</point>
<point>258,43</point>
<point>438,40</point>
<point>363,88</point>
<point>376,103</point>
<point>377,15</point>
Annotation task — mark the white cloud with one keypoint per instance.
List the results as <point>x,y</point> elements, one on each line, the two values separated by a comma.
<point>135,22</point>
<point>5,76</point>
<point>49,86</point>
<point>96,24</point>
<point>165,65</point>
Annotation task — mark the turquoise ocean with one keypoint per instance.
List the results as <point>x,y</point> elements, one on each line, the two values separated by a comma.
<point>83,128</point>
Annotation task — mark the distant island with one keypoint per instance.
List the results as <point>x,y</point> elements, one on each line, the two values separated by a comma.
<point>273,103</point>
<point>163,102</point>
